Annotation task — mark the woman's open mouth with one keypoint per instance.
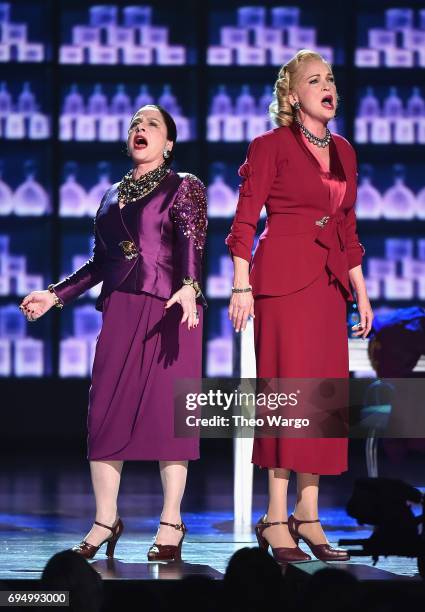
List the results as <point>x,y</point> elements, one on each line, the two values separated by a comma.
<point>327,102</point>
<point>140,142</point>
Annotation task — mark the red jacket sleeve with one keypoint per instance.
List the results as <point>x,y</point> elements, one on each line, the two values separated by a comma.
<point>89,275</point>
<point>355,249</point>
<point>258,173</point>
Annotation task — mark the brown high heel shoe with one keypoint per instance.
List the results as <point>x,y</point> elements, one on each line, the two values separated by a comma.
<point>88,550</point>
<point>282,554</point>
<point>323,552</point>
<point>168,552</point>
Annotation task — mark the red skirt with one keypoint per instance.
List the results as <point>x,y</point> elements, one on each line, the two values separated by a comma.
<point>302,335</point>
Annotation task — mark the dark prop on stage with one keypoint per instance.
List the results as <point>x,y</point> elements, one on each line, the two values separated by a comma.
<point>384,503</point>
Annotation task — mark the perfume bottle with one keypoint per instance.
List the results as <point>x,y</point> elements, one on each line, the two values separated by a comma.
<point>393,105</point>
<point>221,103</point>
<point>220,349</point>
<point>220,357</point>
<point>97,104</point>
<point>72,196</point>
<point>221,197</point>
<point>12,323</point>
<point>98,191</point>
<point>399,200</point>
<point>73,103</point>
<point>137,16</point>
<point>251,17</point>
<point>245,103</point>
<point>5,100</point>
<point>6,195</point>
<point>29,357</point>
<point>399,19</point>
<point>168,101</point>
<point>265,100</point>
<point>143,97</point>
<point>73,357</point>
<point>30,198</point>
<point>369,105</point>
<point>5,357</point>
<point>103,15</point>
<point>415,106</point>
<point>369,200</point>
<point>26,100</point>
<point>420,204</point>
<point>121,103</point>
<point>285,17</point>
<point>87,322</point>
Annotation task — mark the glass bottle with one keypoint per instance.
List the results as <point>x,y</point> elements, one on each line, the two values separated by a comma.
<point>97,192</point>
<point>6,195</point>
<point>30,198</point>
<point>369,199</point>
<point>72,196</point>
<point>399,201</point>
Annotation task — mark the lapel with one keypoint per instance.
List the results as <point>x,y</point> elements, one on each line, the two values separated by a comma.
<point>109,221</point>
<point>167,186</point>
<point>123,223</point>
<point>336,165</point>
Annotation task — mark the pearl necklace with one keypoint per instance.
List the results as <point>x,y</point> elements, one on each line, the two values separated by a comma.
<point>319,142</point>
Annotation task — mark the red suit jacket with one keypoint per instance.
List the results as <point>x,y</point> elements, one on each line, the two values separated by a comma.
<point>282,173</point>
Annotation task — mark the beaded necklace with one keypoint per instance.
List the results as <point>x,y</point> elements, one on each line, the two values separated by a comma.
<point>130,190</point>
<point>319,142</point>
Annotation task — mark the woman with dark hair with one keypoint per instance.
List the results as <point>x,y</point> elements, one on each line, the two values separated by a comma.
<point>150,232</point>
<point>298,282</point>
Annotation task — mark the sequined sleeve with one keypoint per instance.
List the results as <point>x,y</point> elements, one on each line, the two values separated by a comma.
<point>189,215</point>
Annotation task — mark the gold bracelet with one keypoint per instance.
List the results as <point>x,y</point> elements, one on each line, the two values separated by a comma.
<point>191,282</point>
<point>57,301</point>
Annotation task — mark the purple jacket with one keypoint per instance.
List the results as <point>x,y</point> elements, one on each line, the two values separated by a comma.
<point>165,245</point>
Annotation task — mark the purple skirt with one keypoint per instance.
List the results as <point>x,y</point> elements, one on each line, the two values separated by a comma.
<point>141,350</point>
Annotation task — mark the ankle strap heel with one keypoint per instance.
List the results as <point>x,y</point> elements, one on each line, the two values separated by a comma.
<point>282,554</point>
<point>323,552</point>
<point>168,552</point>
<point>88,550</point>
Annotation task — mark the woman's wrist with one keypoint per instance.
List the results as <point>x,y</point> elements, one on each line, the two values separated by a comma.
<point>241,283</point>
<point>188,281</point>
<point>56,301</point>
<point>190,288</point>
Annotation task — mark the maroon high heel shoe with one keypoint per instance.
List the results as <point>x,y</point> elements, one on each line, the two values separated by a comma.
<point>282,554</point>
<point>323,552</point>
<point>88,550</point>
<point>168,552</point>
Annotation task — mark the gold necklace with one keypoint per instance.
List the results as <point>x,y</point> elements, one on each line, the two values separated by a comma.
<point>131,190</point>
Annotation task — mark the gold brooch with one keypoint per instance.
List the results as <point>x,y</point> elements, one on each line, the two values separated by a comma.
<point>322,221</point>
<point>129,249</point>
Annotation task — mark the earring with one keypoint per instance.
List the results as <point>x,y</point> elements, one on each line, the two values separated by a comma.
<point>296,106</point>
<point>166,153</point>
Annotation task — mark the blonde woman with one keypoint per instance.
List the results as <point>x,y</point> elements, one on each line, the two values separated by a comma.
<point>298,282</point>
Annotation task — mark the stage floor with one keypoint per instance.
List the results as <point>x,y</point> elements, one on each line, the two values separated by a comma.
<point>47,506</point>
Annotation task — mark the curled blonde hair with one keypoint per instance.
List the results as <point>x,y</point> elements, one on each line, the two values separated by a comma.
<point>280,109</point>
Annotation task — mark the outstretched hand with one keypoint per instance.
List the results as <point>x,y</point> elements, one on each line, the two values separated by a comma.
<point>240,308</point>
<point>36,304</point>
<point>186,298</point>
